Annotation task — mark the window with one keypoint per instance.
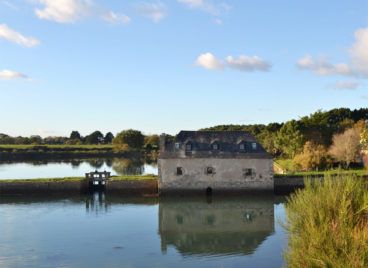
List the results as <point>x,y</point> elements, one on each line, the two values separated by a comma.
<point>242,146</point>
<point>215,146</point>
<point>248,172</point>
<point>177,145</point>
<point>210,170</point>
<point>188,147</point>
<point>254,146</point>
<point>179,171</point>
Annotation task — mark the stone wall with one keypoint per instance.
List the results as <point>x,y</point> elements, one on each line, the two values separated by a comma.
<point>126,187</point>
<point>228,175</point>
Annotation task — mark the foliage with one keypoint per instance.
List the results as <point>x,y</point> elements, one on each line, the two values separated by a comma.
<point>95,137</point>
<point>327,224</point>
<point>151,142</point>
<point>133,138</point>
<point>356,172</point>
<point>346,146</point>
<point>289,139</point>
<point>108,138</point>
<point>319,128</point>
<point>74,135</point>
<point>313,157</point>
<point>364,139</point>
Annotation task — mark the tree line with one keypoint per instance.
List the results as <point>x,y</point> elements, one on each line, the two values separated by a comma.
<point>317,141</point>
<point>124,140</point>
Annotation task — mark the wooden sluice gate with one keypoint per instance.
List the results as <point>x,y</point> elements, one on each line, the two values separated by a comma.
<point>97,181</point>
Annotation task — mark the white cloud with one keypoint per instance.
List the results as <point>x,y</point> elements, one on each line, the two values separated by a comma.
<point>248,63</point>
<point>154,11</point>
<point>359,52</point>
<point>63,11</point>
<point>9,75</point>
<point>241,63</point>
<point>357,66</point>
<point>16,37</point>
<point>322,66</point>
<point>350,85</point>
<point>206,6</point>
<point>116,18</point>
<point>209,61</point>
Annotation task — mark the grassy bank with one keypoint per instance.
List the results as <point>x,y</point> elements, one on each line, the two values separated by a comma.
<point>56,147</point>
<point>68,179</point>
<point>332,172</point>
<point>42,152</point>
<point>328,224</point>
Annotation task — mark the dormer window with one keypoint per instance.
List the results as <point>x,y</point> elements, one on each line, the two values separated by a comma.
<point>177,145</point>
<point>254,145</point>
<point>188,147</point>
<point>242,146</point>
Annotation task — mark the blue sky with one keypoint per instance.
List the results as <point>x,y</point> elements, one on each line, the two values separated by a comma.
<point>163,66</point>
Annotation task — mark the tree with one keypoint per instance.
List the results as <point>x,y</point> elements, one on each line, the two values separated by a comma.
<point>95,137</point>
<point>289,139</point>
<point>345,147</point>
<point>75,135</point>
<point>132,138</point>
<point>36,139</point>
<point>314,156</point>
<point>151,142</point>
<point>108,138</point>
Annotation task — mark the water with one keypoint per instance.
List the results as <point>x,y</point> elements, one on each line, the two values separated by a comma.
<point>111,231</point>
<point>75,168</point>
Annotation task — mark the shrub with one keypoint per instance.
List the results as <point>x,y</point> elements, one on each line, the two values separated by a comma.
<point>328,224</point>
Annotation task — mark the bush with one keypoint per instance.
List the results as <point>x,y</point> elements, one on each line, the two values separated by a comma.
<point>328,224</point>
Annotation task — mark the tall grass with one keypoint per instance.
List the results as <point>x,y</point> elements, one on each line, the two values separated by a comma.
<point>328,224</point>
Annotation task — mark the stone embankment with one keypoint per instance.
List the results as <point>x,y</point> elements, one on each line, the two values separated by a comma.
<point>126,187</point>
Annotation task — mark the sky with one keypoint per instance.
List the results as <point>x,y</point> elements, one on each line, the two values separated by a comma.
<point>163,66</point>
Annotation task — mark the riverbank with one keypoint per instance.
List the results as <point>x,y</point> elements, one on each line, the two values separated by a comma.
<point>53,152</point>
<point>127,185</point>
<point>135,185</point>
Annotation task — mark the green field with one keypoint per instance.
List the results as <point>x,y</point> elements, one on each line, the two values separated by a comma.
<point>68,179</point>
<point>74,147</point>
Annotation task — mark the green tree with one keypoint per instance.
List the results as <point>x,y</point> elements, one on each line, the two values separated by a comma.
<point>151,142</point>
<point>134,139</point>
<point>289,139</point>
<point>95,137</point>
<point>35,139</point>
<point>108,138</point>
<point>75,135</point>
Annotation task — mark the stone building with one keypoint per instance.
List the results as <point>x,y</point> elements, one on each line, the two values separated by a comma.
<point>214,161</point>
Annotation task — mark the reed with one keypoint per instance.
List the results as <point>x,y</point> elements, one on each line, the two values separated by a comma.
<point>327,223</point>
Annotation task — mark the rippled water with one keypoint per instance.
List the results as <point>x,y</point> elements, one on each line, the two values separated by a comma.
<point>111,231</point>
<point>75,168</point>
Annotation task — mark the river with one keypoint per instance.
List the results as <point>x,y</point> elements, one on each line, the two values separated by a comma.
<point>110,231</point>
<point>75,168</point>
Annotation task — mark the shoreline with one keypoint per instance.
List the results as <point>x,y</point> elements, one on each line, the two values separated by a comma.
<point>134,185</point>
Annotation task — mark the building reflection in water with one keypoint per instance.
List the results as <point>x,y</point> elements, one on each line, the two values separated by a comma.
<point>96,203</point>
<point>222,227</point>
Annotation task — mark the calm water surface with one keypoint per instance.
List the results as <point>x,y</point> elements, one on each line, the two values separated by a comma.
<point>75,168</point>
<point>110,231</point>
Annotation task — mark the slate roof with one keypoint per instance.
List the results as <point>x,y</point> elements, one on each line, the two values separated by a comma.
<point>201,145</point>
